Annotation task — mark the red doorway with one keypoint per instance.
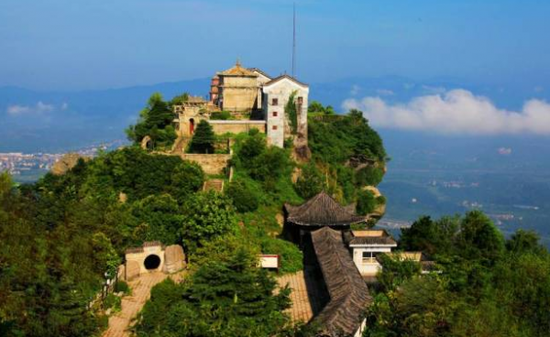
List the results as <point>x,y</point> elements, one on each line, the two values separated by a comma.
<point>191,126</point>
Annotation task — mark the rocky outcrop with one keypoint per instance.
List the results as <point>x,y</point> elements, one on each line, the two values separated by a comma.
<point>174,259</point>
<point>67,162</point>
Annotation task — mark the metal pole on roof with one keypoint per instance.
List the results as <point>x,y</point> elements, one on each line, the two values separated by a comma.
<point>294,40</point>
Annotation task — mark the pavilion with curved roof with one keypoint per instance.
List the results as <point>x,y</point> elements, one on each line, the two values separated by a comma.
<point>318,212</point>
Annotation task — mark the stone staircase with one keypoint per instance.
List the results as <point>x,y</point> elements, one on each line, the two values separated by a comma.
<point>213,185</point>
<point>180,145</point>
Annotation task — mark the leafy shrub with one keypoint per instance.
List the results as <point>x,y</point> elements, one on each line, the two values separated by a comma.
<point>269,165</point>
<point>221,115</point>
<point>250,148</point>
<point>245,198</point>
<point>206,216</point>
<point>111,301</point>
<point>122,286</point>
<point>291,256</point>
<point>310,183</point>
<point>369,176</point>
<point>187,178</point>
<point>161,219</point>
<point>366,202</point>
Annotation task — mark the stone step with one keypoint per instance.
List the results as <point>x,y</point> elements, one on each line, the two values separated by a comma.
<point>214,184</point>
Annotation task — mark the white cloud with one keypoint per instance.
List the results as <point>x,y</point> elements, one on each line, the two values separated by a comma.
<point>38,108</point>
<point>433,90</point>
<point>385,92</point>
<point>455,112</point>
<point>355,89</point>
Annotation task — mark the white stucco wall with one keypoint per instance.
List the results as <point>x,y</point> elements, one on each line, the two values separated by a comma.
<point>368,268</point>
<point>277,126</point>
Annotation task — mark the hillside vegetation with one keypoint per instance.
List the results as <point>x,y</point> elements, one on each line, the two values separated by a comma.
<point>64,234</point>
<point>486,286</point>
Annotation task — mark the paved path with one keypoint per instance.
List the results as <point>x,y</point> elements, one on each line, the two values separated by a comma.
<point>306,299</point>
<point>131,305</point>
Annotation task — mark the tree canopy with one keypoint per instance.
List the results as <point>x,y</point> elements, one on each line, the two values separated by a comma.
<point>155,121</point>
<point>203,139</point>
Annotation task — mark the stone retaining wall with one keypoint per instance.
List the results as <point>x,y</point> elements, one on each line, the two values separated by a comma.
<point>210,163</point>
<point>220,126</point>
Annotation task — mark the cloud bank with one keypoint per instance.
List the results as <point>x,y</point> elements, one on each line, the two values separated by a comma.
<point>39,108</point>
<point>455,112</point>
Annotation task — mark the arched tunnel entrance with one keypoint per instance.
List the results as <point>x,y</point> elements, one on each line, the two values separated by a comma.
<point>152,262</point>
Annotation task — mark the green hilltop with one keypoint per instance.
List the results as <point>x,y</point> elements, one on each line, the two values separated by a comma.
<point>62,236</point>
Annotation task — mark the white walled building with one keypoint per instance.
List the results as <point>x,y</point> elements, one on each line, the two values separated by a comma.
<point>366,245</point>
<point>276,94</point>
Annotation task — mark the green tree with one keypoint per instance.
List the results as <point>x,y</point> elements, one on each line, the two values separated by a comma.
<point>160,218</point>
<point>206,216</point>
<point>366,202</point>
<point>203,139</point>
<point>479,238</point>
<point>245,197</point>
<point>310,182</point>
<point>232,297</point>
<point>106,257</point>
<point>180,99</point>
<point>187,178</point>
<point>431,237</point>
<point>156,122</point>
<point>524,241</point>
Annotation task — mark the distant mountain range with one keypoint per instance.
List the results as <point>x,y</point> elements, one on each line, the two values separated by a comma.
<point>32,121</point>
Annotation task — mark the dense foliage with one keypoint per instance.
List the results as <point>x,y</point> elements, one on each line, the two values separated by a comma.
<point>349,153</point>
<point>203,139</point>
<point>155,121</point>
<point>486,286</point>
<point>62,235</point>
<point>227,296</point>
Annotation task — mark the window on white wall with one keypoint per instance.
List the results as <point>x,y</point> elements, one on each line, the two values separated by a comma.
<point>369,257</point>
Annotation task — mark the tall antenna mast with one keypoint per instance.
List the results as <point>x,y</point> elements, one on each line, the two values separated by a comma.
<point>294,40</point>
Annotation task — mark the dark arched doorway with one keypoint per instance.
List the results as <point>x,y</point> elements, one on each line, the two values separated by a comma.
<point>152,262</point>
<point>191,126</point>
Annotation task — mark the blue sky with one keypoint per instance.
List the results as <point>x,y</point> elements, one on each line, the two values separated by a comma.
<point>77,44</point>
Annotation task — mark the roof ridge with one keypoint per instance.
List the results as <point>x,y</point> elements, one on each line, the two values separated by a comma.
<point>280,77</point>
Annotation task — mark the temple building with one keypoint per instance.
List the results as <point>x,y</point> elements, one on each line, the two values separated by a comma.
<point>253,99</point>
<point>238,89</point>
<point>346,259</point>
<point>318,212</point>
<point>349,295</point>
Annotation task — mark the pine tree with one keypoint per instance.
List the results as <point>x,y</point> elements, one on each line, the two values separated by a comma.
<point>203,139</point>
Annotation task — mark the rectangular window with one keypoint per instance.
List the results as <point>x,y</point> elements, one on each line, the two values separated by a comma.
<point>275,101</point>
<point>300,100</point>
<point>274,113</point>
<point>369,257</point>
<point>274,127</point>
